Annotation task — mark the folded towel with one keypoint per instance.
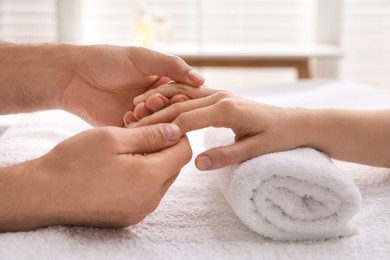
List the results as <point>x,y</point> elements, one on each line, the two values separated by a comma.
<point>292,195</point>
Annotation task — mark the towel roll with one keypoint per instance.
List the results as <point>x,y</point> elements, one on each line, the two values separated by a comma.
<point>291,195</point>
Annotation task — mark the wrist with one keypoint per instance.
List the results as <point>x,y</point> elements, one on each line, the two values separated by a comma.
<point>24,199</point>
<point>312,126</point>
<point>303,130</point>
<point>33,77</point>
<point>67,62</point>
<point>61,69</point>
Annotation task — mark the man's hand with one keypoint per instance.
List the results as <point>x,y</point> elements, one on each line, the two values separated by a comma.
<point>96,82</point>
<point>107,78</point>
<point>104,177</point>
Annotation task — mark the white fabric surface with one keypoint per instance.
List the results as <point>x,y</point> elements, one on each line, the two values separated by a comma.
<point>194,221</point>
<point>36,134</point>
<point>290,195</point>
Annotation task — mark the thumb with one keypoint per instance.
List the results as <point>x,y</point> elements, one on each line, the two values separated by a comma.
<point>151,62</point>
<point>222,156</point>
<point>150,139</point>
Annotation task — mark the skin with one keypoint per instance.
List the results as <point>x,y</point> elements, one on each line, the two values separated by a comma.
<point>350,135</point>
<point>107,176</point>
<point>79,79</point>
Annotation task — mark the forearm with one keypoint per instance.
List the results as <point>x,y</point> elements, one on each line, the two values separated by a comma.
<point>22,199</point>
<point>351,135</point>
<point>32,76</point>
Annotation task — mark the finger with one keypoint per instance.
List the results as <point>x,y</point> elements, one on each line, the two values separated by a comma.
<point>220,114</point>
<point>179,98</point>
<point>160,81</point>
<point>151,62</point>
<point>129,118</point>
<point>172,112</point>
<point>223,156</point>
<point>174,88</point>
<point>148,139</point>
<point>141,111</point>
<point>156,102</point>
<point>171,160</point>
<point>153,103</point>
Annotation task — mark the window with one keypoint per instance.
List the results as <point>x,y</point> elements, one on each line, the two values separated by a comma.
<point>366,41</point>
<point>28,20</point>
<point>365,29</point>
<point>204,21</point>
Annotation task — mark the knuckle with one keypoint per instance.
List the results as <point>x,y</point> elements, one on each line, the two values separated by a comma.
<point>106,136</point>
<point>185,122</point>
<point>228,105</point>
<point>225,156</point>
<point>178,63</point>
<point>182,118</point>
<point>188,155</point>
<point>151,135</point>
<point>179,89</point>
<point>220,95</point>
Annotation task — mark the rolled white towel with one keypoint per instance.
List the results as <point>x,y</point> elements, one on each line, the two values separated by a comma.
<point>292,195</point>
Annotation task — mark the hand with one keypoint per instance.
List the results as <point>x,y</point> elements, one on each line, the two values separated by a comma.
<point>104,177</point>
<point>107,78</point>
<point>259,128</point>
<point>153,103</point>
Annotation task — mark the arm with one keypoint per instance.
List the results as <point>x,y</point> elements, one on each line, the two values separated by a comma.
<point>114,182</point>
<point>32,75</point>
<point>351,135</point>
<point>97,177</point>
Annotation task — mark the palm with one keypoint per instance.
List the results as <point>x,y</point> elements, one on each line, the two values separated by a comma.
<point>104,85</point>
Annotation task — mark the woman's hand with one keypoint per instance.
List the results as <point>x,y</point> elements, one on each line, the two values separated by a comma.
<point>259,128</point>
<point>351,135</point>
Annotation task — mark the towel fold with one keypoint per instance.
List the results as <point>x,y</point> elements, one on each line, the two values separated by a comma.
<point>292,195</point>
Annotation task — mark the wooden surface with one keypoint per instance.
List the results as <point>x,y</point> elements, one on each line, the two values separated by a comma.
<point>298,57</point>
<point>302,65</point>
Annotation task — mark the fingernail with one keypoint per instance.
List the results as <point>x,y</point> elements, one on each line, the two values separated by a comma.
<point>171,132</point>
<point>195,77</point>
<point>156,105</point>
<point>203,162</point>
<point>128,118</point>
<point>138,99</point>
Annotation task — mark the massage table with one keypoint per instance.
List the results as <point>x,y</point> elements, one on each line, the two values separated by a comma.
<point>193,220</point>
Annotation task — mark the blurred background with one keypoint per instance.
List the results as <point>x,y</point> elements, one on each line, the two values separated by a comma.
<point>235,43</point>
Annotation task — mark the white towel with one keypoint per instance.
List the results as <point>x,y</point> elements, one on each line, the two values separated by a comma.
<point>36,134</point>
<point>193,221</point>
<point>292,195</point>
